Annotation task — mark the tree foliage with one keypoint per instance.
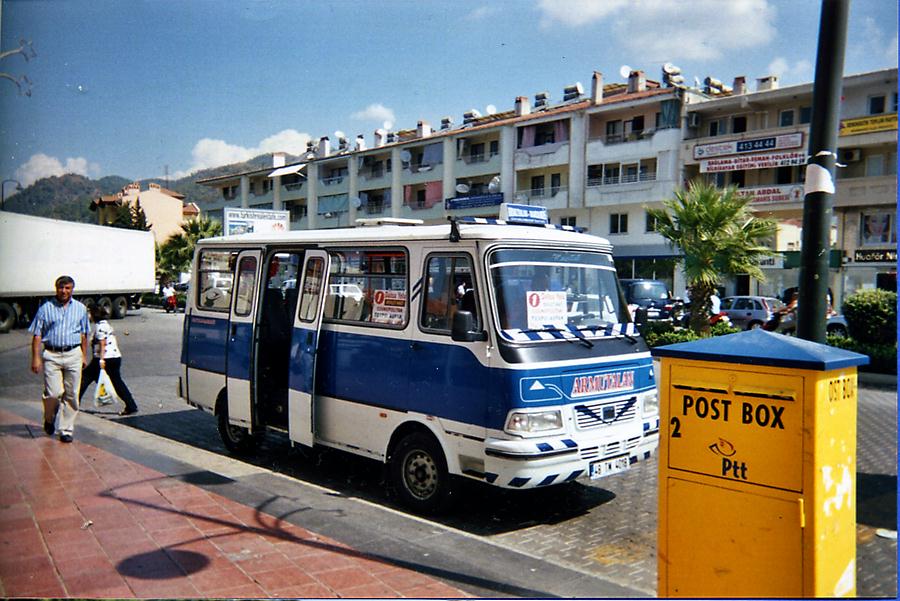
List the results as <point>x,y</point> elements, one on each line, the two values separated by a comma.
<point>131,217</point>
<point>718,236</point>
<point>176,253</point>
<point>872,316</point>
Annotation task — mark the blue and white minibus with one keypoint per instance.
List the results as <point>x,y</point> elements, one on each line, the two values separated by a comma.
<point>476,349</point>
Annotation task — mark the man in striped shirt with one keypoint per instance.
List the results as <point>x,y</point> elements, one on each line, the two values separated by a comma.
<point>62,326</point>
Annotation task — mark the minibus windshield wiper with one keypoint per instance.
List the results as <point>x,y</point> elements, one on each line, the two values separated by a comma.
<point>578,337</point>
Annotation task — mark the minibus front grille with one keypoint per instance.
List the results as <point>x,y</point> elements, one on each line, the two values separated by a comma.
<point>600,414</point>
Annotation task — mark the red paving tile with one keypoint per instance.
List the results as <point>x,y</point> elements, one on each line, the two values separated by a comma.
<point>80,522</point>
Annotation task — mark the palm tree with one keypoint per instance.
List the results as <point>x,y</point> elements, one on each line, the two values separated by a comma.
<point>718,235</point>
<point>177,251</point>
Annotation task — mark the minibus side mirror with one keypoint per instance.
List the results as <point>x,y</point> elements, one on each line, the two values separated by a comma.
<point>463,328</point>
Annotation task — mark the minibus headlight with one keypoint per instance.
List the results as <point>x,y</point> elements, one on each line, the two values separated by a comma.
<point>542,421</point>
<point>651,403</point>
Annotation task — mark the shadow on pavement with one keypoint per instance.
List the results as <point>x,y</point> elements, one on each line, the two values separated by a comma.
<point>876,500</point>
<point>479,508</point>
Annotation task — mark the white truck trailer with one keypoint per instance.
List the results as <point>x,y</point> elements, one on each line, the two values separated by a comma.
<point>110,266</point>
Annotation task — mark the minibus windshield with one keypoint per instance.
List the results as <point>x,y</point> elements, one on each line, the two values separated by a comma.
<point>551,290</point>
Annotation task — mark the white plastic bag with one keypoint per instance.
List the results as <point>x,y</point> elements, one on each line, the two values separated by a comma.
<point>104,394</point>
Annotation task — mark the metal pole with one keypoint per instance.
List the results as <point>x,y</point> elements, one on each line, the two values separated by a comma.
<point>819,199</point>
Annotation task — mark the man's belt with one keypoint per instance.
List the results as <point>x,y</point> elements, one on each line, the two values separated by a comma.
<point>60,349</point>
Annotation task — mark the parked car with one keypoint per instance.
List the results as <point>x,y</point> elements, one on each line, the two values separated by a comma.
<point>750,312</point>
<point>650,297</point>
<point>785,322</point>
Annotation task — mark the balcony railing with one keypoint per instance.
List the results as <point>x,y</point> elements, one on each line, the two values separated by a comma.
<point>614,180</point>
<point>538,194</point>
<point>329,181</point>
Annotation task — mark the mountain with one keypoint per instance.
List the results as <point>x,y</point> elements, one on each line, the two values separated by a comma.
<point>69,196</point>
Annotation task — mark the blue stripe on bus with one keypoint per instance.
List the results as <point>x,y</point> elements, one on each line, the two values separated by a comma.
<point>206,337</point>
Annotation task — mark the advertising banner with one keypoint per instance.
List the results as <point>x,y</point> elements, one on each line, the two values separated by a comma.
<point>784,141</point>
<point>865,125</point>
<point>753,161</point>
<point>248,221</point>
<point>772,194</point>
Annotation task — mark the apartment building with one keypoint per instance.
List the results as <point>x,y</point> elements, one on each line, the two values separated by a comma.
<point>600,159</point>
<point>759,140</point>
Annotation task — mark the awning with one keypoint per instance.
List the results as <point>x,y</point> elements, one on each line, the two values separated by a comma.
<point>289,170</point>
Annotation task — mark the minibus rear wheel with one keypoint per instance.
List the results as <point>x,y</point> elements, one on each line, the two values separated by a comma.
<point>238,440</point>
<point>420,476</point>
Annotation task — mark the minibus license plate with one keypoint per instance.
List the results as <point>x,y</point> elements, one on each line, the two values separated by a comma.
<point>599,469</point>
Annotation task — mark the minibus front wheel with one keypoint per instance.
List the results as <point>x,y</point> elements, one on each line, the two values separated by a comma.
<point>237,439</point>
<point>420,475</point>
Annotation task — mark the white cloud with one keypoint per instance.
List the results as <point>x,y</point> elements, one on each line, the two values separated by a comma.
<point>890,52</point>
<point>210,152</point>
<point>670,29</point>
<point>41,165</point>
<point>374,112</point>
<point>787,73</point>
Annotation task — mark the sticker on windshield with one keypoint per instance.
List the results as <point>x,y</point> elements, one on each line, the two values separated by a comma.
<point>546,308</point>
<point>389,307</point>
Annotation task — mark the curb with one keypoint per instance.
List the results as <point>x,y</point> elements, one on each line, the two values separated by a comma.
<point>873,380</point>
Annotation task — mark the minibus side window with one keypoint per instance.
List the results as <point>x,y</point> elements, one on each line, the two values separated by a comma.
<point>312,288</point>
<point>450,288</point>
<point>215,276</point>
<point>246,286</point>
<point>368,287</point>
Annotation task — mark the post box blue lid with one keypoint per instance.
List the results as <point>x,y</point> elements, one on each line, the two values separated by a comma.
<point>759,347</point>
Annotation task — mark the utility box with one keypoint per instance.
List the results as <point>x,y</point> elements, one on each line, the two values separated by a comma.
<point>757,468</point>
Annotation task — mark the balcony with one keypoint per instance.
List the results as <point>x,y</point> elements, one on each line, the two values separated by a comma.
<point>546,155</point>
<point>615,180</point>
<point>552,198</point>
<point>477,165</point>
<point>866,191</point>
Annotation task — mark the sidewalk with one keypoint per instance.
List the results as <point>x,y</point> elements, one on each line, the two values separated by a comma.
<point>77,521</point>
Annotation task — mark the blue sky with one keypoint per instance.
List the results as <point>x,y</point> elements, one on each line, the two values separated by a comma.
<point>128,87</point>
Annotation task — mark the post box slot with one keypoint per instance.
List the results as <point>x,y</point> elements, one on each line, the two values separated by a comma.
<point>699,388</point>
<point>763,395</point>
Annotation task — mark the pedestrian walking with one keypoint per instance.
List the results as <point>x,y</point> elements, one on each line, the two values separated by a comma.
<point>107,356</point>
<point>61,327</point>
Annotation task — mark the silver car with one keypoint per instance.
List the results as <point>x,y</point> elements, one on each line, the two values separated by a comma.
<point>750,312</point>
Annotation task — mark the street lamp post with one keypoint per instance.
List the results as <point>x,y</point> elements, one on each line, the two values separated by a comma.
<point>3,190</point>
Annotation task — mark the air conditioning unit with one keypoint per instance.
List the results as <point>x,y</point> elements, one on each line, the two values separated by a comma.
<point>693,119</point>
<point>849,155</point>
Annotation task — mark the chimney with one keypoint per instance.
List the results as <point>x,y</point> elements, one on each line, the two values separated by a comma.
<point>769,82</point>
<point>637,82</point>
<point>446,122</point>
<point>360,142</point>
<point>740,85</point>
<point>324,147</point>
<point>278,159</point>
<point>597,88</point>
<point>423,129</point>
<point>379,137</point>
<point>523,107</point>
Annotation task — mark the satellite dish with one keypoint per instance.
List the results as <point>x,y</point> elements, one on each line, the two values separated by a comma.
<point>355,202</point>
<point>338,134</point>
<point>388,124</point>
<point>624,71</point>
<point>671,69</point>
<point>494,185</point>
<point>405,156</point>
<point>491,109</point>
<point>462,188</point>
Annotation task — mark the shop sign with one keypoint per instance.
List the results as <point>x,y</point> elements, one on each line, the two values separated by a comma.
<point>864,125</point>
<point>705,151</point>
<point>875,255</point>
<point>753,161</point>
<point>774,262</point>
<point>473,202</point>
<point>771,194</point>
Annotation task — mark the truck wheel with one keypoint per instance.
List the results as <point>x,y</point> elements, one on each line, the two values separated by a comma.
<point>8,317</point>
<point>105,303</point>
<point>237,439</point>
<point>419,473</point>
<point>89,302</point>
<point>119,307</point>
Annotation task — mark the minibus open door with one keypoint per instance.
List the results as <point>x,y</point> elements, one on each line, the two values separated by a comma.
<point>304,344</point>
<point>239,352</point>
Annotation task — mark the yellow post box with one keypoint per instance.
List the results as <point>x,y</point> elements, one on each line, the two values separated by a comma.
<point>757,468</point>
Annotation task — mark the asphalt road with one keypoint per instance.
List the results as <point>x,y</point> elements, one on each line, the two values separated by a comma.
<point>604,529</point>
